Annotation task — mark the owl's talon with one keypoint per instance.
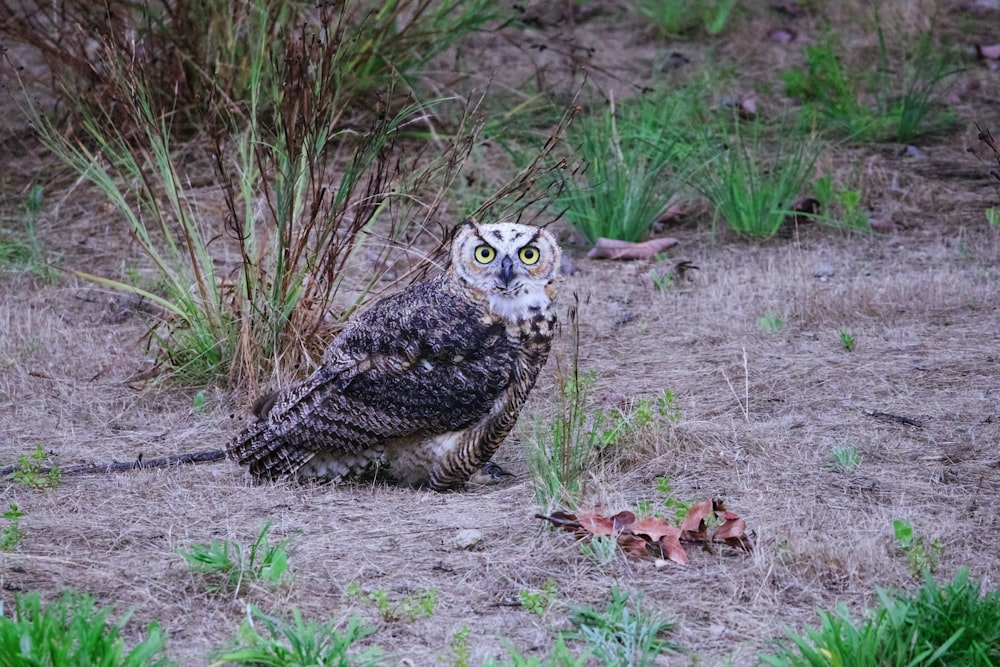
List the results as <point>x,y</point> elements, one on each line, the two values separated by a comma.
<point>490,473</point>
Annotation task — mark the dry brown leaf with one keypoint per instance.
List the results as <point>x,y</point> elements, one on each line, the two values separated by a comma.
<point>693,527</point>
<point>884,225</point>
<point>672,548</point>
<point>743,543</point>
<point>732,530</point>
<point>654,528</point>
<point>595,524</point>
<point>622,520</point>
<point>615,249</point>
<point>675,208</point>
<point>781,35</point>
<point>731,526</point>
<point>806,207</point>
<point>988,52</point>
<point>633,545</point>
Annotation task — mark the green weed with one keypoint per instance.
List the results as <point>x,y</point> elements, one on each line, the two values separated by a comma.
<point>32,472</point>
<point>25,249</point>
<point>623,633</point>
<point>560,656</point>
<point>668,504</point>
<point>410,608</point>
<point>899,101</point>
<point>612,426</point>
<point>71,631</point>
<point>11,534</point>
<point>954,625</point>
<point>620,185</point>
<point>666,406</point>
<point>36,255</point>
<point>840,206</point>
<point>679,508</point>
<point>198,402</point>
<point>676,18</point>
<point>459,645</point>
<point>846,457</point>
<point>847,340</point>
<point>601,550</point>
<point>662,281</point>
<point>770,322</point>
<point>559,452</point>
<point>539,602</point>
<point>237,567</point>
<point>204,57</point>
<point>993,216</point>
<point>263,639</point>
<point>751,184</point>
<point>12,252</point>
<point>920,554</point>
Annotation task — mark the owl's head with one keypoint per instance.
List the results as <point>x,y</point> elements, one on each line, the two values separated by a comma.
<point>514,265</point>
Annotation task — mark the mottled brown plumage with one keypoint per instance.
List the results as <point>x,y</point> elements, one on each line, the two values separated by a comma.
<point>423,387</point>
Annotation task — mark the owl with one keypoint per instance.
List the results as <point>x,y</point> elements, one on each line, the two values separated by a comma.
<point>422,387</point>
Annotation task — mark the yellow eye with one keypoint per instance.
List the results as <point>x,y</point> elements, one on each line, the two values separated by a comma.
<point>485,254</point>
<point>529,254</point>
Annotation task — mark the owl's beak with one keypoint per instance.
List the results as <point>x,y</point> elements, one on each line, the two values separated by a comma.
<point>506,271</point>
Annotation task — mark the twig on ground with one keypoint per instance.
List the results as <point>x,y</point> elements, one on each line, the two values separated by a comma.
<point>885,416</point>
<point>138,464</point>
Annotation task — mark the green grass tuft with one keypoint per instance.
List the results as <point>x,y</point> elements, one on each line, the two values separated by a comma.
<point>263,639</point>
<point>33,474</point>
<point>900,100</point>
<point>677,18</point>
<point>953,625</point>
<point>11,534</point>
<point>72,631</point>
<point>752,183</point>
<point>623,633</point>
<point>230,566</point>
<point>621,183</point>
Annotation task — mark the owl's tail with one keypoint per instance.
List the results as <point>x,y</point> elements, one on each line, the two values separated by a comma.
<point>275,445</point>
<point>265,453</point>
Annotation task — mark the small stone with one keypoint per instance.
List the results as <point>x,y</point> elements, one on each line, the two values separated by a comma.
<point>823,271</point>
<point>468,538</point>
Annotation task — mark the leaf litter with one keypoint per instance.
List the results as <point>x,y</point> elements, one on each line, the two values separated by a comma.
<point>707,523</point>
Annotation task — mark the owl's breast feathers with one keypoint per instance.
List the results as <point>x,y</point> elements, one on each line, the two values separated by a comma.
<point>425,362</point>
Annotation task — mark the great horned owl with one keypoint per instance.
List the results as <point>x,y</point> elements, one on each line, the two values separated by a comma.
<point>423,386</point>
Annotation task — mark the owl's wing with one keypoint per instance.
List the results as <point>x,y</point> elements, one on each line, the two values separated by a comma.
<point>421,362</point>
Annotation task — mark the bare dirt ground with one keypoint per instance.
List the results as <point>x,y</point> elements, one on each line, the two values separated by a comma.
<point>762,411</point>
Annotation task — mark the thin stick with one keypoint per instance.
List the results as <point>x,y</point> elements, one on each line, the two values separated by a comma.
<point>744,404</point>
<point>124,466</point>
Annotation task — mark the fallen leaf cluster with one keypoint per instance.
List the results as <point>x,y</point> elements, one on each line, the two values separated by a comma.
<point>615,249</point>
<point>989,54</point>
<point>656,536</point>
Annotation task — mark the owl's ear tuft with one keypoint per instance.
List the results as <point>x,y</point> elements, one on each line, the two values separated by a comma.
<point>467,223</point>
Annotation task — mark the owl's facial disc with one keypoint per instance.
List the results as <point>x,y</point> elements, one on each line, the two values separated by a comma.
<point>512,265</point>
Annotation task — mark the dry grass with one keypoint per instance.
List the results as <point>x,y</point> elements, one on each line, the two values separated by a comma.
<point>922,304</point>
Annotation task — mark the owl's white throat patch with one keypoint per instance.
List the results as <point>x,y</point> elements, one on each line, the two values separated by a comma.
<point>518,303</point>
